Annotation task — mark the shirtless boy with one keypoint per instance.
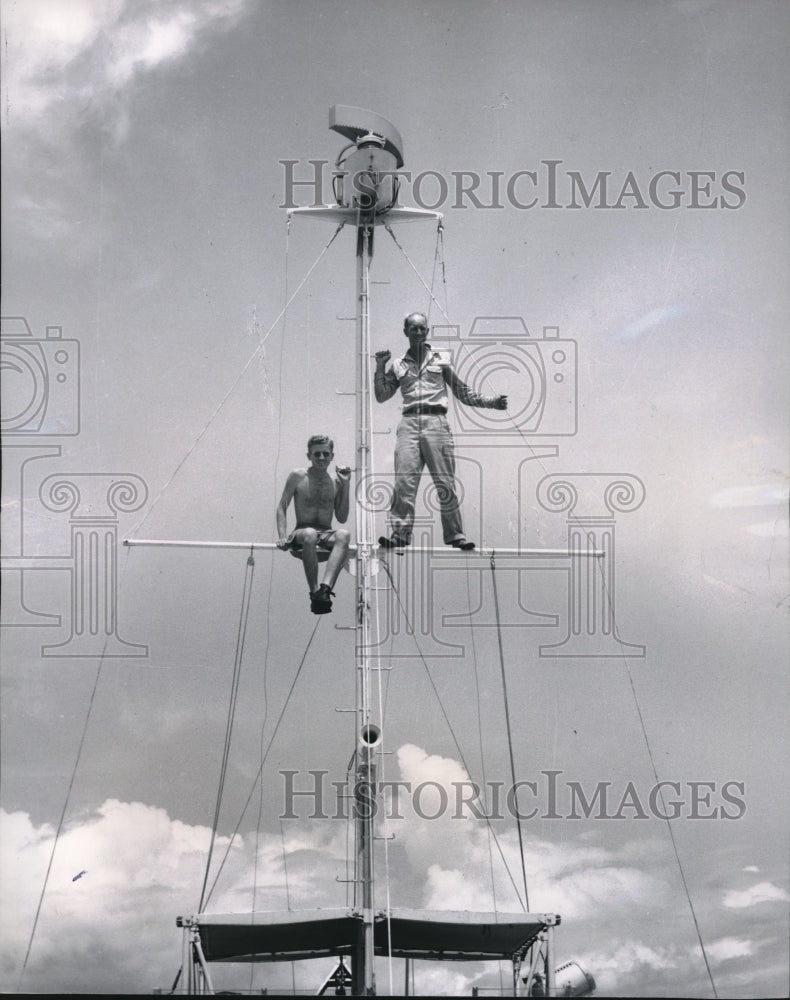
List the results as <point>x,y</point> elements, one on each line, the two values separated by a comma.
<point>317,497</point>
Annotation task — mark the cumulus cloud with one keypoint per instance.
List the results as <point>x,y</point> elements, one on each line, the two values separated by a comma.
<point>629,962</point>
<point>763,892</point>
<point>480,866</point>
<point>113,929</point>
<point>594,888</point>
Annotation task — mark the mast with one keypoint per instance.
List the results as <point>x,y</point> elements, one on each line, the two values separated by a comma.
<point>366,189</point>
<point>363,967</point>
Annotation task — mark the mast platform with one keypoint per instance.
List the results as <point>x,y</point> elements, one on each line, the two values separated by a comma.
<point>435,935</point>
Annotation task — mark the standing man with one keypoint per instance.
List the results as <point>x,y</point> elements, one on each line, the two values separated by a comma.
<point>424,436</point>
<point>316,498</point>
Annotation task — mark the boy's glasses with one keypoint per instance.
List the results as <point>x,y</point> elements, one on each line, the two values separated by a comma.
<point>322,454</point>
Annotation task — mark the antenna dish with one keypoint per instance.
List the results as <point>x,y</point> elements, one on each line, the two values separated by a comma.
<point>354,123</point>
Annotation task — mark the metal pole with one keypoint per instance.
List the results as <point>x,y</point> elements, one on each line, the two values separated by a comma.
<point>412,550</point>
<point>551,989</point>
<point>366,781</point>
<point>365,792</point>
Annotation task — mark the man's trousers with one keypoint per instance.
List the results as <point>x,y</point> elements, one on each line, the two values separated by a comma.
<point>424,440</point>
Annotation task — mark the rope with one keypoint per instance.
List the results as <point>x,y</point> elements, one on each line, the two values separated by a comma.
<point>62,817</point>
<point>232,388</point>
<point>608,598</point>
<point>270,587</point>
<point>172,989</point>
<point>422,280</point>
<point>240,637</point>
<point>257,777</point>
<point>670,830</point>
<point>507,726</point>
<point>449,725</point>
<point>482,761</point>
<point>483,772</point>
<point>436,257</point>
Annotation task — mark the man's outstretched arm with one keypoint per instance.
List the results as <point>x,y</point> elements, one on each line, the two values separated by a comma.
<point>468,396</point>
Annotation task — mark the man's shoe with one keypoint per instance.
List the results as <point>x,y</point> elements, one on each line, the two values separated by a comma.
<point>392,543</point>
<point>320,603</point>
<point>462,543</point>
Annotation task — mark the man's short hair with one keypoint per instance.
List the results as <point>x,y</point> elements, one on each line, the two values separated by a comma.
<point>320,439</point>
<point>411,316</point>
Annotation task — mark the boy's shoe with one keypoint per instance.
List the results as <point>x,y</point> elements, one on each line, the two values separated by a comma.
<point>392,543</point>
<point>320,603</point>
<point>462,543</point>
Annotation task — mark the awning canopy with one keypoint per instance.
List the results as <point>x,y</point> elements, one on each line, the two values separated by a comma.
<point>436,935</point>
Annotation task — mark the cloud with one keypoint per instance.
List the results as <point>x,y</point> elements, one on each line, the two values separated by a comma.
<point>63,58</point>
<point>113,929</point>
<point>621,965</point>
<point>730,947</point>
<point>763,892</point>
<point>764,495</point>
<point>573,877</point>
<point>71,76</point>
<point>650,321</point>
<point>770,529</point>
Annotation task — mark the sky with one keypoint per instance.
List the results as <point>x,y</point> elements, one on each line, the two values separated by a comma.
<point>171,340</point>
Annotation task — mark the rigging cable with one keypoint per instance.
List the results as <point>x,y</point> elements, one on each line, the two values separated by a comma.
<point>507,726</point>
<point>172,989</point>
<point>483,772</point>
<point>258,776</point>
<point>62,816</point>
<point>659,786</point>
<point>608,597</point>
<point>287,903</point>
<point>422,280</point>
<point>413,632</point>
<point>235,382</point>
<point>270,588</point>
<point>437,256</point>
<point>240,638</point>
